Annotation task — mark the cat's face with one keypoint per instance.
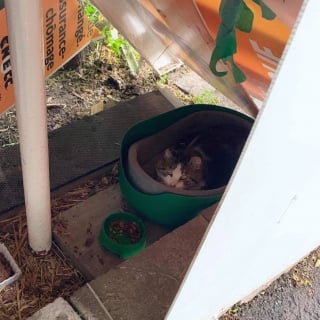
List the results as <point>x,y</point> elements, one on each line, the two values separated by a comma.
<point>169,170</point>
<point>192,175</point>
<point>180,175</point>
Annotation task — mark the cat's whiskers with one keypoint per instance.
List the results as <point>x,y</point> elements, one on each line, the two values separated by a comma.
<point>187,174</point>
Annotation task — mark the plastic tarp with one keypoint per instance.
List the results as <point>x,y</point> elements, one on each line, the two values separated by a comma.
<point>162,30</point>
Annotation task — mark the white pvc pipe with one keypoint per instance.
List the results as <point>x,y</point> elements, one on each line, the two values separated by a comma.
<point>26,47</point>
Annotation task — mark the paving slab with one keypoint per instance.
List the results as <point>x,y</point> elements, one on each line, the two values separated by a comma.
<point>191,83</point>
<point>89,305</point>
<point>76,232</point>
<point>80,148</point>
<point>210,212</point>
<point>144,286</point>
<point>60,309</point>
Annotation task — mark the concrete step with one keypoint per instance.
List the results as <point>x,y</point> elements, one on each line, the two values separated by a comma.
<point>144,286</point>
<point>59,309</point>
<point>76,232</point>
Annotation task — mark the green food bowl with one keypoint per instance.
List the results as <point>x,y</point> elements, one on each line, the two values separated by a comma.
<point>123,234</point>
<point>168,207</point>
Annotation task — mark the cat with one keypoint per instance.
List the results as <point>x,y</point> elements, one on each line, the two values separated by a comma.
<point>168,168</point>
<point>175,170</point>
<point>204,160</point>
<point>193,175</point>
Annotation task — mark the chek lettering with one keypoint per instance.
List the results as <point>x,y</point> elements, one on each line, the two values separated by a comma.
<point>5,68</point>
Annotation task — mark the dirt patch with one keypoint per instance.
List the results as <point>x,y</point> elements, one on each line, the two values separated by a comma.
<point>72,92</point>
<point>97,80</point>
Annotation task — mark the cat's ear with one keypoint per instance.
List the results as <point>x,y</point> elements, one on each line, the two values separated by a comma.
<point>167,153</point>
<point>196,162</point>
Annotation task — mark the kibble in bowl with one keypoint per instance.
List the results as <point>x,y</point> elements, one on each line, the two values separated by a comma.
<point>123,233</point>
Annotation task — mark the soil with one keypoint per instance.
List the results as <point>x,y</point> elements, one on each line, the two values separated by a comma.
<point>99,81</point>
<point>94,80</point>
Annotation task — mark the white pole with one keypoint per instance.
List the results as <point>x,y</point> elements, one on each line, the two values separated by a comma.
<point>26,48</point>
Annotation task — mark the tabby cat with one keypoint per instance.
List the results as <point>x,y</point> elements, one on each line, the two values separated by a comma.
<point>174,170</point>
<point>204,160</point>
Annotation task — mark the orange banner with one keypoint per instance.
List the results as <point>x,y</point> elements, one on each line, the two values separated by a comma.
<point>66,31</point>
<point>258,52</point>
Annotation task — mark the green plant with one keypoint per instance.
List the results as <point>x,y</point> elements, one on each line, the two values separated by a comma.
<point>205,97</point>
<point>117,43</point>
<point>114,40</point>
<point>234,14</point>
<point>91,11</point>
<point>235,309</point>
<point>164,79</point>
<point>307,283</point>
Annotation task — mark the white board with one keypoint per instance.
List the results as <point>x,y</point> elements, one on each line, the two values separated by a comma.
<point>269,218</point>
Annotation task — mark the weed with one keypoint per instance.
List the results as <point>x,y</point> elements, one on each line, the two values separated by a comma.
<point>91,12</point>
<point>205,97</point>
<point>164,79</point>
<point>236,309</point>
<point>117,43</point>
<point>114,40</point>
<point>307,283</point>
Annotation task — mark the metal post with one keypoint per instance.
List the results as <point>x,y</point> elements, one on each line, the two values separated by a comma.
<point>26,48</point>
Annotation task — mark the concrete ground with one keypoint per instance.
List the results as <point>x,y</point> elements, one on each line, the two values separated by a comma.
<point>60,309</point>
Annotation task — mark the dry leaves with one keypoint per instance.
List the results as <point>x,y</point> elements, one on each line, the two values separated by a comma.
<point>43,278</point>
